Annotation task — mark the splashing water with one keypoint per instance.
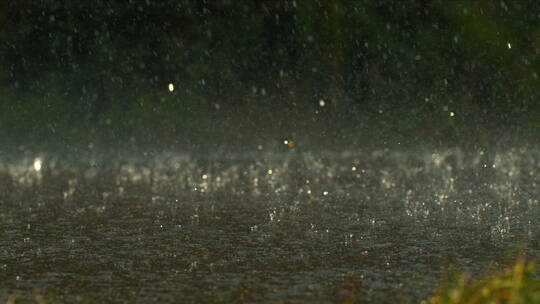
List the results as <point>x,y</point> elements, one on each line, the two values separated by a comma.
<point>275,225</point>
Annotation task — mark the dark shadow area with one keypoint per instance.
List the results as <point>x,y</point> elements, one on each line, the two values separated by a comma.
<point>247,75</point>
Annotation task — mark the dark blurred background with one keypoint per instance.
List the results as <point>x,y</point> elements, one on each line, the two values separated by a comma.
<point>252,74</point>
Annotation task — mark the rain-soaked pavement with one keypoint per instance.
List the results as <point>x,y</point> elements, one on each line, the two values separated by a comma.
<point>380,226</point>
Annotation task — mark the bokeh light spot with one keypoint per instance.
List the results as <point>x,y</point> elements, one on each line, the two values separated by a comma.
<point>37,164</point>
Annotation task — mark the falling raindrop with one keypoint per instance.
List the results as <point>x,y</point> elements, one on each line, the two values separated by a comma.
<point>38,163</point>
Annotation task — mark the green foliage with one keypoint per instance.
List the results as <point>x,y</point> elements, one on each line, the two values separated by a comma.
<point>514,285</point>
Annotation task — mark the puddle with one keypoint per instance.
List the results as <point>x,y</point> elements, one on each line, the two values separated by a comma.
<point>267,228</point>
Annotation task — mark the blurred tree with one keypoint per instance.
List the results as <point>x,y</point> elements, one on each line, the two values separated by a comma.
<point>416,59</point>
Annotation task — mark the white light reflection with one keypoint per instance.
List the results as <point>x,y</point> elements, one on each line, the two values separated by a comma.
<point>38,164</point>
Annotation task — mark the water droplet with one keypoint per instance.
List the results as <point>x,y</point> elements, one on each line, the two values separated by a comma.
<point>37,164</point>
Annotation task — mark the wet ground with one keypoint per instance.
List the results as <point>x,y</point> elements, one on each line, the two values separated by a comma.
<point>379,226</point>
